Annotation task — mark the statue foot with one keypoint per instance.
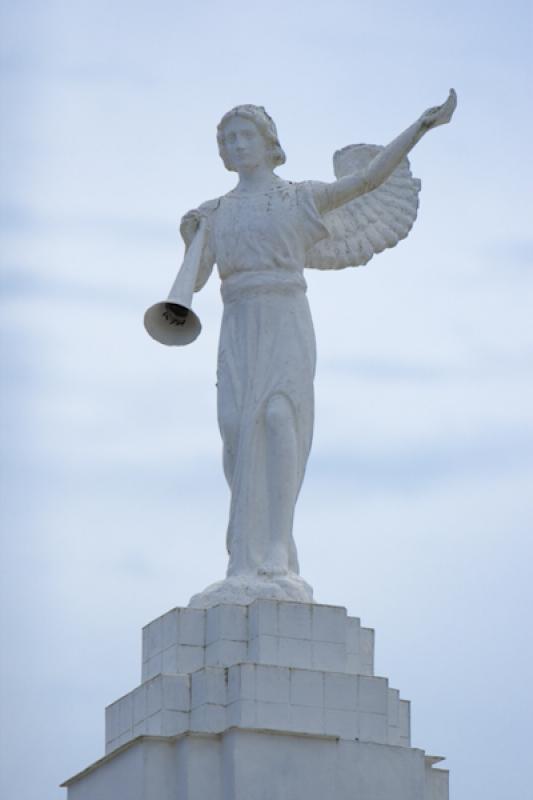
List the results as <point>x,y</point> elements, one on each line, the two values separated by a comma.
<point>244,589</point>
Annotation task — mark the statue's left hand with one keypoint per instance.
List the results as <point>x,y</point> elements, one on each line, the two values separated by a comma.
<point>439,115</point>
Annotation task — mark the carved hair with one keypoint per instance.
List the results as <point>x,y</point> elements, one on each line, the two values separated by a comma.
<point>264,124</point>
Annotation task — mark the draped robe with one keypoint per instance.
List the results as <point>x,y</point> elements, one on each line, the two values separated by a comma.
<point>267,347</point>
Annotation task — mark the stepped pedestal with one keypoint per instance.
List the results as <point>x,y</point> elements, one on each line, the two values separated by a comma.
<point>271,701</point>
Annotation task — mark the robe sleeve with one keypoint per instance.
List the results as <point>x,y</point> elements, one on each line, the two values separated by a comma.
<point>188,226</point>
<point>313,224</point>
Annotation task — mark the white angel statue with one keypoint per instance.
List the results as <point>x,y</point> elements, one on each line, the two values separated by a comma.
<point>262,235</point>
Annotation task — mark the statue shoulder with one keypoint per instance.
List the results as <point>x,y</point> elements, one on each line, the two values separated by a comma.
<point>209,206</point>
<point>205,209</point>
<point>191,220</point>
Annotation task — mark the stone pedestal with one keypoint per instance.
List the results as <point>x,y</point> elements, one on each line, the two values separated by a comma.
<point>271,701</point>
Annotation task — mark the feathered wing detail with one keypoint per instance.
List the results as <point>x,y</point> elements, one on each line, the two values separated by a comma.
<point>370,223</point>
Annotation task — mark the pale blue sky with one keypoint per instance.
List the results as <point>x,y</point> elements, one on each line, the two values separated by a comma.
<point>417,509</point>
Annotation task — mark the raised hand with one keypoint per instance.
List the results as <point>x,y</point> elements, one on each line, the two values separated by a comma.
<point>439,115</point>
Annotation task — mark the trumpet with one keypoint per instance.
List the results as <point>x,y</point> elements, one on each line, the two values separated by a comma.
<point>172,321</point>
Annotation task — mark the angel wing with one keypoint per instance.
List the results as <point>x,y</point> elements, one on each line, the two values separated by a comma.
<point>371,222</point>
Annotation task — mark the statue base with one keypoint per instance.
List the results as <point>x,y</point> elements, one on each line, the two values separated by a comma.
<point>273,699</point>
<point>244,589</point>
<point>255,765</point>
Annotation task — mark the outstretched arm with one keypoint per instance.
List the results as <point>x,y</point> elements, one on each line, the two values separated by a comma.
<point>331,195</point>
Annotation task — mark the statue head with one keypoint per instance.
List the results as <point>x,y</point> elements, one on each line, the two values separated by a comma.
<point>264,124</point>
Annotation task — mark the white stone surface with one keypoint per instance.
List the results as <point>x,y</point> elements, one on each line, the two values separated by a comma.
<point>227,622</point>
<point>262,235</point>
<point>208,686</point>
<point>366,651</point>
<point>253,692</point>
<point>243,589</point>
<point>437,780</point>
<point>405,722</point>
<point>255,765</point>
<point>160,706</point>
<point>284,670</point>
<point>271,665</point>
<point>322,637</point>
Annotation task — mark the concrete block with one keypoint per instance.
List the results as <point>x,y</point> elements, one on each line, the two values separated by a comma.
<point>192,627</point>
<point>139,729</point>
<point>294,620</point>
<point>152,667</point>
<point>153,724</point>
<point>344,724</point>
<point>353,663</point>
<point>263,649</point>
<point>189,658</point>
<point>173,722</point>
<point>393,735</point>
<point>112,721</point>
<point>437,784</point>
<point>208,686</point>
<point>181,659</point>
<point>306,719</point>
<point>155,637</point>
<point>176,692</point>
<point>404,713</point>
<point>353,633</point>
<point>227,622</point>
<point>170,628</point>
<point>373,728</point>
<point>241,683</point>
<point>294,653</point>
<point>393,707</point>
<point>225,653</point>
<point>166,723</point>
<point>272,684</point>
<point>262,618</point>
<point>373,694</point>
<point>208,718</point>
<point>329,624</point>
<point>154,695</point>
<point>307,687</point>
<point>242,713</point>
<point>272,716</point>
<point>248,764</point>
<point>126,714</point>
<point>139,704</point>
<point>311,676</point>
<point>367,651</point>
<point>169,659</point>
<point>124,738</point>
<point>340,691</point>
<point>145,644</point>
<point>328,656</point>
<point>198,689</point>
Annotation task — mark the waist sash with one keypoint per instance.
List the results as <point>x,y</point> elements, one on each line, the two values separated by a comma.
<point>252,282</point>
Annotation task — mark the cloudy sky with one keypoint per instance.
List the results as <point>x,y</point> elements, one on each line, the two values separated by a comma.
<point>416,513</point>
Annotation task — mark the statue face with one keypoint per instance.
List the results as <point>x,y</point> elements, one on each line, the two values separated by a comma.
<point>245,147</point>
